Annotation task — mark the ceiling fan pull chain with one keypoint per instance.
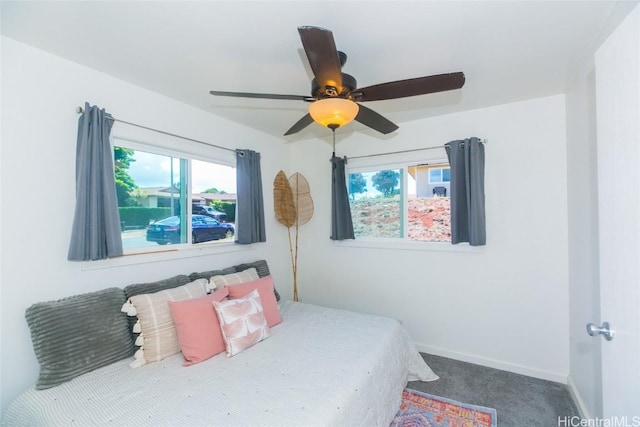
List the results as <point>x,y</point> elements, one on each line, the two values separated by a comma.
<point>334,141</point>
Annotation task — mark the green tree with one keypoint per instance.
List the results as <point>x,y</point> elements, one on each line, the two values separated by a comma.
<point>123,157</point>
<point>138,194</point>
<point>227,207</point>
<point>386,181</point>
<point>214,190</point>
<point>357,184</point>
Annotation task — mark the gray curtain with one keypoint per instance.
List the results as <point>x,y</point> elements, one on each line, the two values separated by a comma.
<point>468,224</point>
<point>341,223</point>
<point>96,224</point>
<point>250,209</point>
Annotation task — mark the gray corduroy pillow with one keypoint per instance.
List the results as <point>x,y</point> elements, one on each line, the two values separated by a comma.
<point>78,334</point>
<point>261,267</point>
<point>153,287</point>
<point>209,274</point>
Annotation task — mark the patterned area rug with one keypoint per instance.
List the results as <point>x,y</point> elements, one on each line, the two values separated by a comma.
<point>425,410</point>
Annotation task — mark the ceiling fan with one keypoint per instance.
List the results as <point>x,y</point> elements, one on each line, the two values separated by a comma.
<point>335,98</point>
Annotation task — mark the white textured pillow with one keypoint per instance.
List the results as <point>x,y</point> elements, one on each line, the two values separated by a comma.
<point>158,338</point>
<point>219,282</point>
<point>242,322</point>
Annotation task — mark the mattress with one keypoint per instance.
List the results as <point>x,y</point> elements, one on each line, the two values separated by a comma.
<point>320,367</point>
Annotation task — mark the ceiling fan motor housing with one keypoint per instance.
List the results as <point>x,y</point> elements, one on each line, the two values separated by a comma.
<point>349,83</point>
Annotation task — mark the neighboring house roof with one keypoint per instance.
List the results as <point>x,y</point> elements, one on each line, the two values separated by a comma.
<point>160,191</point>
<point>225,197</point>
<point>412,169</point>
<point>196,197</point>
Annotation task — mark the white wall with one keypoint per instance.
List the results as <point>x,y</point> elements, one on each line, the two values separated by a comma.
<point>39,127</point>
<point>505,305</point>
<point>584,288</point>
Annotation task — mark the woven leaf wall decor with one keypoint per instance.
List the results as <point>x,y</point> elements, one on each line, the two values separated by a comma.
<point>301,197</point>
<point>283,204</point>
<point>293,207</point>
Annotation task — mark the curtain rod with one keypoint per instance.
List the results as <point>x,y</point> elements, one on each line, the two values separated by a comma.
<point>484,141</point>
<point>80,110</point>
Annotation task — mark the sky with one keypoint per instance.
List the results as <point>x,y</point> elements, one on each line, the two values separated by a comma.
<point>153,170</point>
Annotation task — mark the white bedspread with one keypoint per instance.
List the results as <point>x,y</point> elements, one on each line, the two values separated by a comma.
<point>320,367</point>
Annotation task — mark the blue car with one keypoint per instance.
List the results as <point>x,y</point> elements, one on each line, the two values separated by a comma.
<point>204,229</point>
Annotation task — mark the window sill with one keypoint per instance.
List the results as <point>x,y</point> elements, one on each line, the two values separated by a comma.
<point>410,246</point>
<point>164,255</point>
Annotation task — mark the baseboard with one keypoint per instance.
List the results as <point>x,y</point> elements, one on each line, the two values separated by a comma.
<point>497,364</point>
<point>577,399</point>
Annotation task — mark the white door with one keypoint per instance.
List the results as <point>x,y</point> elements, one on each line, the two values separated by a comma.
<point>618,133</point>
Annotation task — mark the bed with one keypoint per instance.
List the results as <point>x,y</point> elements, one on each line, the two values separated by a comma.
<point>320,367</point>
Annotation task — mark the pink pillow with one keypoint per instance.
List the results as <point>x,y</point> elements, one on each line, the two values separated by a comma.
<point>197,327</point>
<point>242,322</point>
<point>267,297</point>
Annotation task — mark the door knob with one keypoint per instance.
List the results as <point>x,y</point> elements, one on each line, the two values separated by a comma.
<point>605,330</point>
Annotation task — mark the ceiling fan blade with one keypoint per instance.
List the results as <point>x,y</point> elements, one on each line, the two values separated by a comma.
<point>262,95</point>
<point>323,57</point>
<point>375,121</point>
<point>409,87</point>
<point>305,121</point>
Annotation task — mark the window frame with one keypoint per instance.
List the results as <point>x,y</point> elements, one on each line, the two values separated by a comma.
<point>441,170</point>
<point>163,145</point>
<point>402,161</point>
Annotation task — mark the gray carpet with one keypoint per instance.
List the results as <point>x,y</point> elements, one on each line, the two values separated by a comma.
<point>520,401</point>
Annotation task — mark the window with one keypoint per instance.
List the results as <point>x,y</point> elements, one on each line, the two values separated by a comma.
<point>403,202</point>
<point>172,199</point>
<point>438,175</point>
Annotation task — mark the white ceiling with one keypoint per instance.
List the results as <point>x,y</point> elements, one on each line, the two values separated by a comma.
<point>508,50</point>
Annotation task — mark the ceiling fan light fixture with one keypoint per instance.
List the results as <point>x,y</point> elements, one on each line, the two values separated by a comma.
<point>333,112</point>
